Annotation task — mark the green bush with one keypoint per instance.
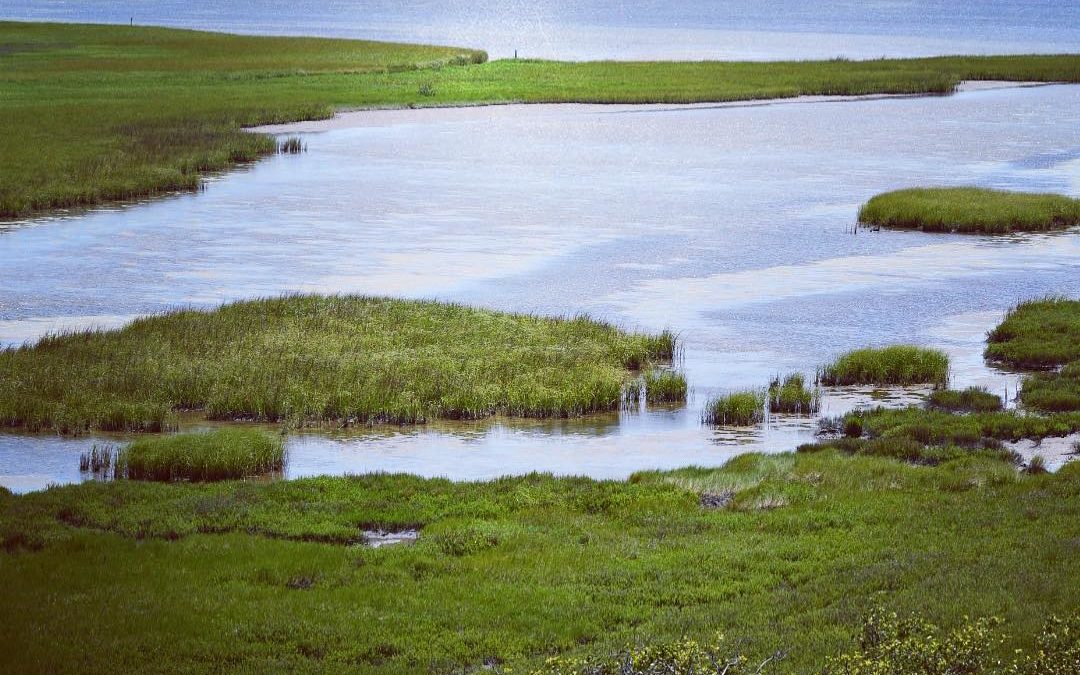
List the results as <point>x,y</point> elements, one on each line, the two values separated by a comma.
<point>972,399</point>
<point>742,408</point>
<point>791,395</point>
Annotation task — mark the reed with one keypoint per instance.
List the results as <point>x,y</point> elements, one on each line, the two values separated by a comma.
<point>972,399</point>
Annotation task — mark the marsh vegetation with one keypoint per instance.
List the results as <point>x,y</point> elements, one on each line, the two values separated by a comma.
<point>893,365</point>
<point>312,359</point>
<point>970,210</point>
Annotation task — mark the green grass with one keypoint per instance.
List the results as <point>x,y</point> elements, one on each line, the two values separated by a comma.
<point>972,399</point>
<point>894,365</point>
<point>738,409</point>
<point>257,577</point>
<point>971,210</point>
<point>665,386</point>
<point>1042,335</point>
<point>1037,335</point>
<point>791,395</point>
<point>98,113</point>
<point>216,455</point>
<point>344,359</point>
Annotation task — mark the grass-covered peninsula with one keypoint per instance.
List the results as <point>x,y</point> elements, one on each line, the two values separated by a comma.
<point>341,359</point>
<point>92,113</point>
<point>970,210</point>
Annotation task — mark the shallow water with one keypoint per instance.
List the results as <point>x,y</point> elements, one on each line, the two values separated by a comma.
<point>730,224</point>
<point>618,29</point>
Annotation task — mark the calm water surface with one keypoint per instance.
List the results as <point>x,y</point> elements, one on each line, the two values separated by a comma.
<point>622,29</point>
<point>731,224</point>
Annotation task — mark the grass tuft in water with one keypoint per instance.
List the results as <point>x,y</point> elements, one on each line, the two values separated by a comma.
<point>665,386</point>
<point>895,365</point>
<point>222,454</point>
<point>739,409</point>
<point>791,395</point>
<point>970,210</point>
<point>291,146</point>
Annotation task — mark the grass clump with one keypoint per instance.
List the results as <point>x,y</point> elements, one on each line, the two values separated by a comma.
<point>665,386</point>
<point>1042,335</point>
<point>894,365</point>
<point>222,454</point>
<point>738,409</point>
<point>972,399</point>
<point>518,570</point>
<point>971,210</point>
<point>791,395</point>
<point>91,113</point>
<point>307,358</point>
<point>1037,335</point>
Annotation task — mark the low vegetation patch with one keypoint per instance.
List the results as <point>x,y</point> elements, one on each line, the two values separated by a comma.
<point>510,573</point>
<point>895,365</point>
<point>791,395</point>
<point>972,399</point>
<point>739,409</point>
<point>222,454</point>
<point>971,210</point>
<point>316,358</point>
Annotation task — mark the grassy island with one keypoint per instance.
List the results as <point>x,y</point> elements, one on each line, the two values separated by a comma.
<point>342,359</point>
<point>971,210</point>
<point>93,113</point>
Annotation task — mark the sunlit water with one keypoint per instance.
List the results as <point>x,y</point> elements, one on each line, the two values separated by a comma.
<point>622,29</point>
<point>730,224</point>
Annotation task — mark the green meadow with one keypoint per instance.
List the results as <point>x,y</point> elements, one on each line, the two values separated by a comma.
<point>92,113</point>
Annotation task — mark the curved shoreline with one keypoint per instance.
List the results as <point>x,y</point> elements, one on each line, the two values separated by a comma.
<point>352,118</point>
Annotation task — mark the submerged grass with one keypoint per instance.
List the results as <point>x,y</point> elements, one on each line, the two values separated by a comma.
<point>971,210</point>
<point>514,571</point>
<point>306,358</point>
<point>99,113</point>
<point>739,409</point>
<point>221,454</point>
<point>894,365</point>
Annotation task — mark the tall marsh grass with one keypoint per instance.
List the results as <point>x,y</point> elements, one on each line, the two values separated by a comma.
<point>894,365</point>
<point>737,409</point>
<point>223,454</point>
<point>792,395</point>
<point>307,358</point>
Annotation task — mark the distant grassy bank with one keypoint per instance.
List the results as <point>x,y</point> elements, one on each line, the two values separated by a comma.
<point>342,359</point>
<point>783,552</point>
<point>971,210</point>
<point>98,113</point>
